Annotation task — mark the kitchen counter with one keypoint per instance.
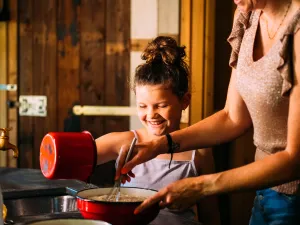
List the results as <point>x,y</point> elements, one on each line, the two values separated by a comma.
<point>17,183</point>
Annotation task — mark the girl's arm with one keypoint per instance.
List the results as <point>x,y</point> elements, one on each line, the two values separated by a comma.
<point>109,145</point>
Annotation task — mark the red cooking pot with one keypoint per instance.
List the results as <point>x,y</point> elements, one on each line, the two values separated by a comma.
<point>116,213</point>
<point>68,155</point>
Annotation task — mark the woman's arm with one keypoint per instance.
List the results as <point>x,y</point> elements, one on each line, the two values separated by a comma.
<point>223,126</point>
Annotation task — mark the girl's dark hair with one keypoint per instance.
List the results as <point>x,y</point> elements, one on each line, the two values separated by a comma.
<point>164,65</point>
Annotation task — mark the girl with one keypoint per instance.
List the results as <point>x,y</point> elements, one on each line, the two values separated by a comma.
<point>161,89</point>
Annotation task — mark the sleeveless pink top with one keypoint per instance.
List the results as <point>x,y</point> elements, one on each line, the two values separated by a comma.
<point>265,85</point>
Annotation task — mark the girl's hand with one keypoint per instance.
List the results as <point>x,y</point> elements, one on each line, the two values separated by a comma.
<point>127,177</point>
<point>141,153</point>
<point>178,195</point>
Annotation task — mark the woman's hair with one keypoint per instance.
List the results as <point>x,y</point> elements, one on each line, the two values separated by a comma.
<point>164,65</point>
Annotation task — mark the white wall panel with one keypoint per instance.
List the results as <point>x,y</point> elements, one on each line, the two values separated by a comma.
<point>168,17</point>
<point>143,19</point>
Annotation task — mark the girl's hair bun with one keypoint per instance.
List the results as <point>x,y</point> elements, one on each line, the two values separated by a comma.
<point>165,64</point>
<point>163,50</point>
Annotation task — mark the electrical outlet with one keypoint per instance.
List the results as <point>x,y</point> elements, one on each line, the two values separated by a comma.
<point>33,105</point>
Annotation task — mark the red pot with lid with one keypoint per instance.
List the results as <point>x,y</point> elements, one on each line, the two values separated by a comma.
<point>68,155</point>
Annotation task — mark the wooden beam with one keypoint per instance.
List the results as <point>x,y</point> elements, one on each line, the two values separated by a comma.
<point>12,78</point>
<point>209,56</point>
<point>197,33</point>
<point>185,40</point>
<point>185,27</point>
<point>197,62</point>
<point>3,80</point>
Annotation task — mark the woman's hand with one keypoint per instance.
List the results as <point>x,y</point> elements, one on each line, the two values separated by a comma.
<point>178,195</point>
<point>141,153</point>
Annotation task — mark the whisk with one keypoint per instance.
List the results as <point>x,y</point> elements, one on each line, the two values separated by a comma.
<point>116,188</point>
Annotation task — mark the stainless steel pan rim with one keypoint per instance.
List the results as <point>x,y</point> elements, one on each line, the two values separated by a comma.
<point>69,222</point>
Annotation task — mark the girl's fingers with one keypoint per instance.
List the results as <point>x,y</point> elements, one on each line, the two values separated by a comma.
<point>128,179</point>
<point>123,180</point>
<point>130,173</point>
<point>122,157</point>
<point>131,164</point>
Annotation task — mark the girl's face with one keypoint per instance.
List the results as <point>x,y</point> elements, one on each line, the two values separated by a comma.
<point>159,109</point>
<point>248,5</point>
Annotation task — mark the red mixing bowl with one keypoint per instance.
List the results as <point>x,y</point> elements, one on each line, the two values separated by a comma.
<point>116,213</point>
<point>68,155</point>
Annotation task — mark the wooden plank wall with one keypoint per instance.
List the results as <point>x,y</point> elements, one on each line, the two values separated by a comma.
<point>68,63</point>
<point>115,89</point>
<point>26,133</point>
<point>74,52</point>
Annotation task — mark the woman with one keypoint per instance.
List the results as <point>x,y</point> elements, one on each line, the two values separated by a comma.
<point>161,90</point>
<point>264,92</point>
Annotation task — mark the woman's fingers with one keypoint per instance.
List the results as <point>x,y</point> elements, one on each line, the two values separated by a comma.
<point>149,201</point>
<point>176,196</point>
